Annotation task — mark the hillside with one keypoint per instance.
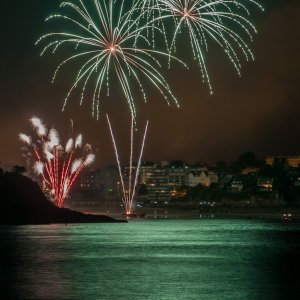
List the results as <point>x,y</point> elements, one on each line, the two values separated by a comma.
<point>23,202</point>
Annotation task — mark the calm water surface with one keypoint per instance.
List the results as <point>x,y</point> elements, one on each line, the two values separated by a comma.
<point>158,259</point>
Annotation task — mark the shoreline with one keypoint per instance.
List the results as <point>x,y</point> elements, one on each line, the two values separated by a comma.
<point>274,213</point>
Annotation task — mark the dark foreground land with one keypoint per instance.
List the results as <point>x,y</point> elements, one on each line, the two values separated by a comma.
<point>23,202</point>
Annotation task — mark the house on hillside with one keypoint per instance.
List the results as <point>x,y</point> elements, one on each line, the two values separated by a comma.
<point>237,184</point>
<point>199,177</point>
<point>249,170</point>
<point>265,184</point>
<point>225,182</point>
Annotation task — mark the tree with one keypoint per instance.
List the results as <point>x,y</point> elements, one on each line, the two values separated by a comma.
<point>18,169</point>
<point>221,166</point>
<point>142,189</point>
<point>177,164</point>
<point>247,159</point>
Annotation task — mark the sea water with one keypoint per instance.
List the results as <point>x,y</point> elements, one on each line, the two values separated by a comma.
<point>152,259</point>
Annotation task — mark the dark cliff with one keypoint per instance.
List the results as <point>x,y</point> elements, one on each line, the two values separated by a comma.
<point>23,202</point>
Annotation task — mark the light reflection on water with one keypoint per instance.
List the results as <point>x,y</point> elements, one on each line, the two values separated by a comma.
<point>158,259</point>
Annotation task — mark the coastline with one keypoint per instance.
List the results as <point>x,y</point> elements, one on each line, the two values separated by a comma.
<point>24,203</point>
<point>261,213</point>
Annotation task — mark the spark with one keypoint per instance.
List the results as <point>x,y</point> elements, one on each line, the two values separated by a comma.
<point>76,165</point>
<point>88,147</point>
<point>152,13</point>
<point>25,138</point>
<point>56,165</point>
<point>39,126</point>
<point>69,145</point>
<point>38,167</point>
<point>49,156</point>
<point>89,159</point>
<point>129,193</point>
<point>225,22</point>
<point>78,142</point>
<point>106,46</point>
<point>53,138</point>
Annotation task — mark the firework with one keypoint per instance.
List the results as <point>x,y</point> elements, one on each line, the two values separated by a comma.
<point>151,12</point>
<point>128,190</point>
<point>38,125</point>
<point>106,43</point>
<point>54,164</point>
<point>226,22</point>
<point>25,138</point>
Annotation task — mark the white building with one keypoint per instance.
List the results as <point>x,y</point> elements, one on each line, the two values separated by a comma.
<point>199,177</point>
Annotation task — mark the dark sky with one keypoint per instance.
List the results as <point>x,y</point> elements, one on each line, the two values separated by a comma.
<point>258,112</point>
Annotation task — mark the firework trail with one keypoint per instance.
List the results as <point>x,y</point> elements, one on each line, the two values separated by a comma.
<point>129,193</point>
<point>226,22</point>
<point>106,44</point>
<point>151,12</point>
<point>54,163</point>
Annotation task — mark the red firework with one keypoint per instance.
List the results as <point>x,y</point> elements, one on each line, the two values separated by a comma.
<point>56,164</point>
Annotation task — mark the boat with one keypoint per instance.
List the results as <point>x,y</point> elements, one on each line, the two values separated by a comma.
<point>286,217</point>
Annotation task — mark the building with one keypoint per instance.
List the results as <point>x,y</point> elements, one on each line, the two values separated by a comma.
<point>164,181</point>
<point>157,186</point>
<point>87,179</point>
<point>199,176</point>
<point>265,184</point>
<point>177,177</point>
<point>225,181</point>
<point>178,180</point>
<point>97,187</point>
<point>249,170</point>
<point>292,161</point>
<point>237,184</point>
<point>146,169</point>
<point>213,177</point>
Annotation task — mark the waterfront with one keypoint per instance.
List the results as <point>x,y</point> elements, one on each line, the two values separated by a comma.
<point>152,259</point>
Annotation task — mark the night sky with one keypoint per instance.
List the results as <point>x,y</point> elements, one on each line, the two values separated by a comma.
<point>259,112</point>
